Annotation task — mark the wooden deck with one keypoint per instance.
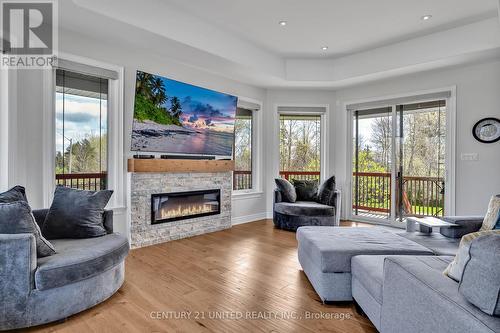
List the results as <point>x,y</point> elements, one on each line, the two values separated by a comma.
<point>249,271</point>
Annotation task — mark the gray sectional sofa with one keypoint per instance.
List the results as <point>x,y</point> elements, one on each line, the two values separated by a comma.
<point>395,277</point>
<point>83,273</point>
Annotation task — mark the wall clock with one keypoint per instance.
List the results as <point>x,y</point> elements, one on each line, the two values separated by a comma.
<point>487,130</point>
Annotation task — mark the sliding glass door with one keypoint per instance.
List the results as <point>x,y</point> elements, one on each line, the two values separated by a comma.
<point>372,163</point>
<point>420,157</point>
<point>399,161</point>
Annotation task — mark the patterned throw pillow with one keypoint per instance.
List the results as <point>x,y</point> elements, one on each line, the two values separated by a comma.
<point>491,218</point>
<point>456,268</point>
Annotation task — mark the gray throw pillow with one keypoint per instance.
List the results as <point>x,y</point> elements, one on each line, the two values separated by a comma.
<point>327,191</point>
<point>16,218</point>
<point>480,283</point>
<point>76,214</point>
<point>307,190</point>
<point>287,190</point>
<point>17,193</point>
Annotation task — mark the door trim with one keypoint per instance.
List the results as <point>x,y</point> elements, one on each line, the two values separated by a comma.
<point>450,154</point>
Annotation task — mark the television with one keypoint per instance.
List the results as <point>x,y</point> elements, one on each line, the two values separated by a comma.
<point>173,117</point>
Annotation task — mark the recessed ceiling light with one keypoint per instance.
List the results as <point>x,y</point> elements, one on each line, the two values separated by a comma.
<point>324,48</point>
<point>282,23</point>
<point>426,17</point>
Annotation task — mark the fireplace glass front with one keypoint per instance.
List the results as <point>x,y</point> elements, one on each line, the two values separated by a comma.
<point>166,207</point>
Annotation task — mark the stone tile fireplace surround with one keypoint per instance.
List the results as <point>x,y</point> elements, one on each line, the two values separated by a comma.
<point>143,185</point>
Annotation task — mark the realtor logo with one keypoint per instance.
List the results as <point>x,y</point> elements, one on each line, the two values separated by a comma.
<point>29,33</point>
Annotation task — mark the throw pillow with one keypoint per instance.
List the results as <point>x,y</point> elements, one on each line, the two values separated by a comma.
<point>327,191</point>
<point>490,220</point>
<point>17,218</point>
<point>456,267</point>
<point>307,190</point>
<point>287,190</point>
<point>17,193</point>
<point>76,214</point>
<point>480,283</point>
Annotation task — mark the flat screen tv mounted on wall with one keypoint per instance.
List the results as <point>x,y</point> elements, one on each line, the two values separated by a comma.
<point>178,118</point>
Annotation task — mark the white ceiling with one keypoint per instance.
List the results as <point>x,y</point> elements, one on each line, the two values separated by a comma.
<point>345,26</point>
<point>242,40</point>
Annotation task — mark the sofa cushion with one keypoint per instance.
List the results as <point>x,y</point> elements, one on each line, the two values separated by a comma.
<point>304,208</point>
<point>369,270</point>
<point>333,247</point>
<point>418,298</point>
<point>439,244</point>
<point>76,214</point>
<point>16,218</point>
<point>307,190</point>
<point>17,193</point>
<point>327,191</point>
<point>287,190</point>
<point>480,283</point>
<point>490,220</point>
<point>79,259</point>
<point>456,267</point>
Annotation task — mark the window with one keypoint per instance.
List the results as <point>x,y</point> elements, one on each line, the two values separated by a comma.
<point>243,132</point>
<point>81,130</point>
<point>300,146</point>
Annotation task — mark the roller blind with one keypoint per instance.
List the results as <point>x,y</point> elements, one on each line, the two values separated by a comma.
<point>302,109</point>
<point>86,69</point>
<point>403,100</point>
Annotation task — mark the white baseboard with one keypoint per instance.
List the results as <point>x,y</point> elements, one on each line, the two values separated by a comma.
<point>248,218</point>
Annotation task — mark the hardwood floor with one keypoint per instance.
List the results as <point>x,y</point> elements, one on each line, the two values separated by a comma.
<point>249,275</point>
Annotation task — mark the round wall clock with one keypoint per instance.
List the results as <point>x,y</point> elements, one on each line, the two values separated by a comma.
<point>487,130</point>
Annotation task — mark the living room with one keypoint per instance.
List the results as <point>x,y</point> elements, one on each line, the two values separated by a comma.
<point>250,166</point>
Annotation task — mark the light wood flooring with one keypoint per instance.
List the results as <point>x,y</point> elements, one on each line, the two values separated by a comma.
<point>244,279</point>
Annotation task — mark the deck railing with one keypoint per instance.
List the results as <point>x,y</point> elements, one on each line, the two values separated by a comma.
<point>422,196</point>
<point>83,181</point>
<point>242,180</point>
<point>300,175</point>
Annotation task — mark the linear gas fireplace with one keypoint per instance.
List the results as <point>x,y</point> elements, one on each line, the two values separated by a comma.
<point>167,207</point>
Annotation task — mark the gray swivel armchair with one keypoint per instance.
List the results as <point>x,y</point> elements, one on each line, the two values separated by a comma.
<point>83,273</point>
<point>291,215</point>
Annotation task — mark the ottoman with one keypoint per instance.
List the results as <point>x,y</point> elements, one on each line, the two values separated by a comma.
<point>325,255</point>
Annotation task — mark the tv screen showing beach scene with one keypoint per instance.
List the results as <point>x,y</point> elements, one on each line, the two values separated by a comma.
<point>178,118</point>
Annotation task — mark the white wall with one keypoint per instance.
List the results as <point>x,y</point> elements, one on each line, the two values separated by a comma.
<point>28,140</point>
<point>478,96</point>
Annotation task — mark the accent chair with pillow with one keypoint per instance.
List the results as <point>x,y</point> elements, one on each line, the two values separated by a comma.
<point>72,271</point>
<point>305,203</point>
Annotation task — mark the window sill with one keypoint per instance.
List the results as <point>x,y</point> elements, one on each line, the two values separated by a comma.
<point>242,195</point>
